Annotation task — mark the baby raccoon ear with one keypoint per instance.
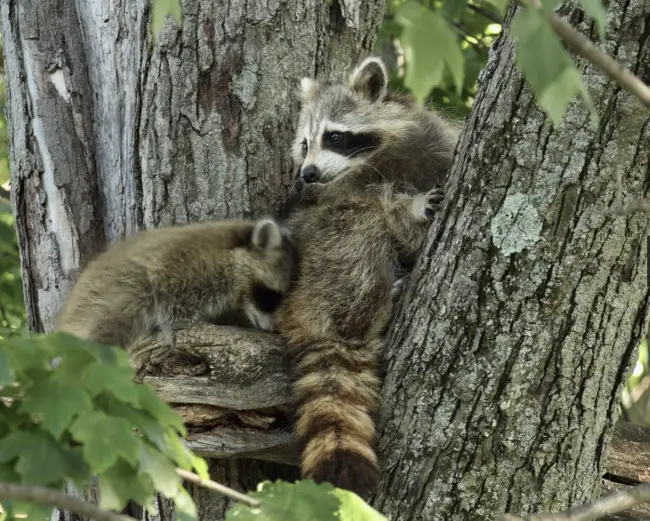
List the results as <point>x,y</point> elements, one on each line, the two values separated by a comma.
<point>308,88</point>
<point>370,79</point>
<point>267,234</point>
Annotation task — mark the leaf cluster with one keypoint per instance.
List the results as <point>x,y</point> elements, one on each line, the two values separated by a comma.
<point>303,501</point>
<point>86,417</point>
<point>445,46</point>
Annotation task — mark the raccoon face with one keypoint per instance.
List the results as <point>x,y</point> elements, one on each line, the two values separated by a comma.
<point>341,126</point>
<point>270,271</point>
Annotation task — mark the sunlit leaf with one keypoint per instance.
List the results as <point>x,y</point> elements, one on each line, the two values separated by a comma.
<point>353,508</point>
<point>282,501</point>
<point>430,45</point>
<point>160,10</point>
<point>554,79</point>
<point>596,10</point>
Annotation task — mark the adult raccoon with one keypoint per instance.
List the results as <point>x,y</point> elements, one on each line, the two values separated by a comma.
<point>373,164</point>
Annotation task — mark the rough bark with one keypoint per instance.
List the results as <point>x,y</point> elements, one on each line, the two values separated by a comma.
<point>508,355</point>
<point>111,132</point>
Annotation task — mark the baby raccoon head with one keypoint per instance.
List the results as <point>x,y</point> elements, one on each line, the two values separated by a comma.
<point>342,126</point>
<point>268,271</point>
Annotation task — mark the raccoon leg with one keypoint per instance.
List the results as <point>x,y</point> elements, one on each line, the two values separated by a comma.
<point>408,219</point>
<point>426,205</point>
<point>398,288</point>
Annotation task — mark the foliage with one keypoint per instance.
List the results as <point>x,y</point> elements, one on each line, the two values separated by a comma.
<point>434,67</point>
<point>160,9</point>
<point>301,501</point>
<point>555,79</point>
<point>445,44</point>
<point>86,417</point>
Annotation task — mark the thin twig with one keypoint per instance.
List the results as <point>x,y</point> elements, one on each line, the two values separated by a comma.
<point>218,487</point>
<point>605,63</point>
<point>58,499</point>
<point>602,507</point>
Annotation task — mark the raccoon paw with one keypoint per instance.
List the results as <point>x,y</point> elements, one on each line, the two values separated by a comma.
<point>398,288</point>
<point>433,202</point>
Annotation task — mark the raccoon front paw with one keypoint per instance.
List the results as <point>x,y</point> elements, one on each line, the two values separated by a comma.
<point>433,202</point>
<point>398,288</point>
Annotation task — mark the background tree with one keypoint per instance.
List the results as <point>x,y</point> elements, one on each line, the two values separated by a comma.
<point>111,132</point>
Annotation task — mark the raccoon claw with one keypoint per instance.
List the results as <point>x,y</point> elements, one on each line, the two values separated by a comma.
<point>433,202</point>
<point>398,288</point>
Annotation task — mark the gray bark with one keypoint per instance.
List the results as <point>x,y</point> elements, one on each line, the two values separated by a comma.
<point>111,133</point>
<point>510,348</point>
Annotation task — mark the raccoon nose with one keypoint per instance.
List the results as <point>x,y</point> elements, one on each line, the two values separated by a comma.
<point>310,174</point>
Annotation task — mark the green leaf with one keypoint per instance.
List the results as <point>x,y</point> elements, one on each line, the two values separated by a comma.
<point>554,79</point>
<point>98,377</point>
<point>160,469</point>
<point>151,402</point>
<point>121,483</point>
<point>501,5</point>
<point>161,9</point>
<point>105,439</point>
<point>57,403</point>
<point>430,44</point>
<point>596,10</point>
<point>41,460</point>
<point>6,374</point>
<point>452,9</point>
<point>353,508</point>
<point>282,501</point>
<point>20,510</point>
<point>184,507</point>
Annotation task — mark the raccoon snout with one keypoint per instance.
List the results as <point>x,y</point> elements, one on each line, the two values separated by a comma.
<point>310,174</point>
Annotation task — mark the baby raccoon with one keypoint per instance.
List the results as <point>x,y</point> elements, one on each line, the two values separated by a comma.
<point>373,167</point>
<point>231,271</point>
<point>363,127</point>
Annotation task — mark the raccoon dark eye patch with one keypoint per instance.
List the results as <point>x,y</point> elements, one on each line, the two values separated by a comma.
<point>266,299</point>
<point>350,144</point>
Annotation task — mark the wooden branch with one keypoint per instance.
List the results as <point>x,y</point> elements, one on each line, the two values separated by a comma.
<point>603,507</point>
<point>217,487</point>
<point>241,408</point>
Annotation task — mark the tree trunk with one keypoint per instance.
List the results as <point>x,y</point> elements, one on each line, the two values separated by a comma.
<point>510,348</point>
<point>111,133</point>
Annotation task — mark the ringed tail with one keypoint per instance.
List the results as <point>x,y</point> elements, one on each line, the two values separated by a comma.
<point>336,389</point>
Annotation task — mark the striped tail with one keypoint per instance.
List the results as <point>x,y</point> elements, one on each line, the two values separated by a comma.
<point>336,390</point>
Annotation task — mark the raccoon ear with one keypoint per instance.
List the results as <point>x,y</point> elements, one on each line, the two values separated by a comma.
<point>308,88</point>
<point>370,79</point>
<point>267,234</point>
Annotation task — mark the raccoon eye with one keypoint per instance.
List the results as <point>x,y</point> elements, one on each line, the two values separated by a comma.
<point>304,146</point>
<point>335,137</point>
